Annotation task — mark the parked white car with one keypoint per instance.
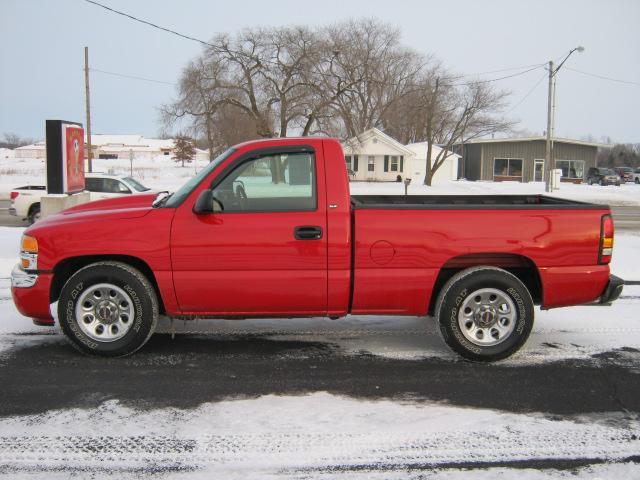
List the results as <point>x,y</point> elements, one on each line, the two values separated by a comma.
<point>25,201</point>
<point>636,175</point>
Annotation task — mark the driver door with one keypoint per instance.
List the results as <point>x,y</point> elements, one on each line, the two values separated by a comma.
<point>264,252</point>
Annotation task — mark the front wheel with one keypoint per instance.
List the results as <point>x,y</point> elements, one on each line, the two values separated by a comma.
<point>108,309</point>
<point>485,313</point>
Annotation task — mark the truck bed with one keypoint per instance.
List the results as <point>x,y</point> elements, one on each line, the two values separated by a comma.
<point>429,202</point>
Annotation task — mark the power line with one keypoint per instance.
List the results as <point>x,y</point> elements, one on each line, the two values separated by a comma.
<point>133,77</point>
<point>202,42</point>
<point>602,77</point>
<point>510,69</point>
<point>168,30</point>
<point>496,79</point>
<point>527,95</point>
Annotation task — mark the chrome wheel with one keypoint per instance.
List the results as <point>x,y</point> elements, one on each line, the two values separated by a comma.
<point>487,317</point>
<point>104,312</point>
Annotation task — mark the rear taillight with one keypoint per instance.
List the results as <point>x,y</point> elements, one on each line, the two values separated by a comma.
<point>14,195</point>
<point>606,239</point>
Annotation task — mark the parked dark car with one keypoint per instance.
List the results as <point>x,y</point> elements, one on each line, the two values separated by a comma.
<point>625,173</point>
<point>602,176</point>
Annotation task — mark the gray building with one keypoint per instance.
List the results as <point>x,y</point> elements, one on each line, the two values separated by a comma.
<point>523,159</point>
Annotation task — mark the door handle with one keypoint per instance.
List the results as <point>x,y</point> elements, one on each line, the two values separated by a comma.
<point>308,233</point>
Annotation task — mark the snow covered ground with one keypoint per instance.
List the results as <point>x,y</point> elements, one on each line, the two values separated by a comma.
<point>161,173</point>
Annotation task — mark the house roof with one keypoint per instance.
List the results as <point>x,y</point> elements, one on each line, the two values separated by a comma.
<point>534,139</point>
<point>419,149</point>
<point>130,141</point>
<point>352,143</point>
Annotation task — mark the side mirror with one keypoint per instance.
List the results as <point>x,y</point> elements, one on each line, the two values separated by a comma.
<point>207,203</point>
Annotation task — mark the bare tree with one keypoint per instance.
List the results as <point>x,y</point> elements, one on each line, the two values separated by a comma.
<point>442,111</point>
<point>13,140</point>
<point>200,96</point>
<point>372,70</point>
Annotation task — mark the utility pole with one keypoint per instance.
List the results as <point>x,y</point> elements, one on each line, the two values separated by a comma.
<point>551,105</point>
<point>547,161</point>
<point>88,105</point>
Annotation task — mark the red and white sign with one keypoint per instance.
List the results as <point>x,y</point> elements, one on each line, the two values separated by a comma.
<point>72,158</point>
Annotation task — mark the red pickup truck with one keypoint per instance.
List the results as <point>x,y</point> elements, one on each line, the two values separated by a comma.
<point>268,229</point>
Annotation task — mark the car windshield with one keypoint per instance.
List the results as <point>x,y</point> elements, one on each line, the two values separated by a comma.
<point>606,171</point>
<point>135,184</point>
<point>177,198</point>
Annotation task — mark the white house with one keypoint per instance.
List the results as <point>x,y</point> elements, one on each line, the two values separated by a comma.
<point>375,156</point>
<point>37,150</point>
<point>417,169</point>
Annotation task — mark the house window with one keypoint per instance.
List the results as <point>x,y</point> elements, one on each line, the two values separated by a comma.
<point>371,163</point>
<point>507,169</point>
<point>347,159</point>
<point>573,169</point>
<point>394,163</point>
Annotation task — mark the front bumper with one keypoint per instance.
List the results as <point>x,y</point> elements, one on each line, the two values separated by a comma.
<point>612,291</point>
<point>30,292</point>
<point>21,278</point>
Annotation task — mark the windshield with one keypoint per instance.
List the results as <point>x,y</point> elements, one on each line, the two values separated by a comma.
<point>135,184</point>
<point>178,197</point>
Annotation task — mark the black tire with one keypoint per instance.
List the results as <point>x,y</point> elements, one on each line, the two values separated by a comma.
<point>460,290</point>
<point>601,183</point>
<point>142,309</point>
<point>34,214</point>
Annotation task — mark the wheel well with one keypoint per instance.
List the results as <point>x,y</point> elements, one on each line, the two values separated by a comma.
<point>32,207</point>
<point>518,265</point>
<point>67,267</point>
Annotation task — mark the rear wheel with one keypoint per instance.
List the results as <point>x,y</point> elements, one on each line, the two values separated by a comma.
<point>485,313</point>
<point>34,214</point>
<point>108,308</point>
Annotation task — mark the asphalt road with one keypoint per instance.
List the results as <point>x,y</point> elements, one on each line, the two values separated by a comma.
<point>7,220</point>
<point>190,370</point>
<point>626,218</point>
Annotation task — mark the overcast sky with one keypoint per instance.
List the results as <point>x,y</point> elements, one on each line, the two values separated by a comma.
<point>41,54</point>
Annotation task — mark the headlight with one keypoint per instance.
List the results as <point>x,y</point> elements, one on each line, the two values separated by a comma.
<point>29,253</point>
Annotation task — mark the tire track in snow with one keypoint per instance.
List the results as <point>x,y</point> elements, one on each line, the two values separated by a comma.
<point>299,451</point>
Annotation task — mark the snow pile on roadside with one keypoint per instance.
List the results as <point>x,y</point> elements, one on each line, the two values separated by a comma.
<point>317,431</point>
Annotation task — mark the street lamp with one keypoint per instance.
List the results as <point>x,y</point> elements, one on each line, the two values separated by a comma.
<point>550,163</point>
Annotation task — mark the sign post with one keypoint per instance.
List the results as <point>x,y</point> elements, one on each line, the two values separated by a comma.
<point>65,166</point>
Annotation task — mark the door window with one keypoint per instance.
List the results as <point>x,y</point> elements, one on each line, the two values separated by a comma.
<point>273,183</point>
<point>111,185</point>
<point>93,184</point>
